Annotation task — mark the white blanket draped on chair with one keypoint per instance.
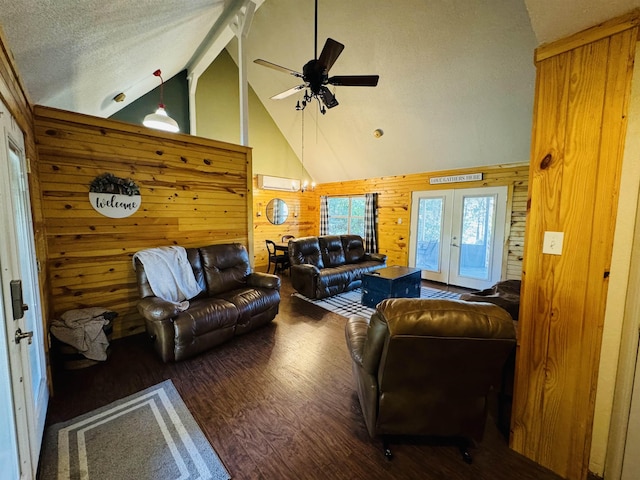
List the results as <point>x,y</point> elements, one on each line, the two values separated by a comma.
<point>169,274</point>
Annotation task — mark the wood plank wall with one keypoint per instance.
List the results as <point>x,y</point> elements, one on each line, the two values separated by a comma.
<point>394,207</point>
<point>303,219</point>
<point>580,116</point>
<point>195,192</point>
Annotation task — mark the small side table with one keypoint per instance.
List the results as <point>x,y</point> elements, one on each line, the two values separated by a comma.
<point>390,282</point>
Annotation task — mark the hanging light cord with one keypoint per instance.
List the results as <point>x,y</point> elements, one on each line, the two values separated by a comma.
<point>158,73</point>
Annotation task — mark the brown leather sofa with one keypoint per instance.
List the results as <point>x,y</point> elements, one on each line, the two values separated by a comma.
<point>426,366</point>
<point>330,264</point>
<point>233,301</point>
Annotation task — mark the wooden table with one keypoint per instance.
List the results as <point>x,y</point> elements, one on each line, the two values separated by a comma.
<point>282,247</point>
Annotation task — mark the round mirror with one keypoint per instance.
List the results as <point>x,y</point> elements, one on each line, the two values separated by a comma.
<point>277,211</point>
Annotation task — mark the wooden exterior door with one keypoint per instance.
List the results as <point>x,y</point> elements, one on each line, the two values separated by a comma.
<point>23,373</point>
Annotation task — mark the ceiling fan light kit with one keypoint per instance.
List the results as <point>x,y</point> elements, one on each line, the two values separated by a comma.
<point>315,75</point>
<point>160,120</point>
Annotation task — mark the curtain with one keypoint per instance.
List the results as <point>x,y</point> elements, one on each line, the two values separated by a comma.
<point>324,215</point>
<point>370,221</point>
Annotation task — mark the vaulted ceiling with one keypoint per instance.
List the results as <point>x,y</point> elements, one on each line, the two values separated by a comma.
<point>456,77</point>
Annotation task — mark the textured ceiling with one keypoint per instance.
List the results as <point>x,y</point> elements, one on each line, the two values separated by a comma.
<point>78,54</point>
<point>456,77</point>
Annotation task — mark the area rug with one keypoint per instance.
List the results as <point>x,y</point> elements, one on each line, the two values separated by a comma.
<point>148,435</point>
<point>348,303</point>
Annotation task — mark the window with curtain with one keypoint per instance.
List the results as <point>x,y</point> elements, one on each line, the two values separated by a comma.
<point>346,215</point>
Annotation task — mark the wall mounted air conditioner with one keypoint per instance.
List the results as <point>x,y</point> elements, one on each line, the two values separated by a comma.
<point>267,182</point>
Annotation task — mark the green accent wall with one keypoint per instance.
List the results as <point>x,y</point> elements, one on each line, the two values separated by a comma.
<point>176,102</point>
<point>218,117</point>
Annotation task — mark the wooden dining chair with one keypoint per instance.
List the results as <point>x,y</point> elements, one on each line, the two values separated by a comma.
<point>286,238</point>
<point>280,261</point>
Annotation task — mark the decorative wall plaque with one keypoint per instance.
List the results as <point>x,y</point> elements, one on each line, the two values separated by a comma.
<point>114,197</point>
<point>467,177</point>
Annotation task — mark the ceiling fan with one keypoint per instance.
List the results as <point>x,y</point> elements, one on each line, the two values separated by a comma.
<point>315,75</point>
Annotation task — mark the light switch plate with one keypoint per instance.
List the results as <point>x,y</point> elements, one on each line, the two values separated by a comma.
<point>552,243</point>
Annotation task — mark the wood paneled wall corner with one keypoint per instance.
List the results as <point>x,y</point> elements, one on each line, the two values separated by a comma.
<point>195,192</point>
<point>394,203</point>
<point>580,117</point>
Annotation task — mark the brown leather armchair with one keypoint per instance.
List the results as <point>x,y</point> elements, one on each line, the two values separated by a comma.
<point>425,367</point>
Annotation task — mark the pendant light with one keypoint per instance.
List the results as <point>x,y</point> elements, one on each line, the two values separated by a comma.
<point>159,119</point>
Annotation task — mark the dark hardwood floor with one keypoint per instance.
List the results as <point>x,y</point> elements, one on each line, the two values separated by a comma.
<point>279,403</point>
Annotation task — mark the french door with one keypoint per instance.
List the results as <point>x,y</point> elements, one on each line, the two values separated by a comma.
<point>24,393</point>
<point>457,236</point>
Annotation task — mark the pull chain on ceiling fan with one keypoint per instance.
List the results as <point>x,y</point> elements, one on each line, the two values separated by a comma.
<point>315,74</point>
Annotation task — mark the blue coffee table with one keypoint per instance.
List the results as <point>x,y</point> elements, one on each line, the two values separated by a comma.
<point>390,282</point>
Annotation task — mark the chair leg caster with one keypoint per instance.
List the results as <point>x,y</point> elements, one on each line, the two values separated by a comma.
<point>386,449</point>
<point>466,456</point>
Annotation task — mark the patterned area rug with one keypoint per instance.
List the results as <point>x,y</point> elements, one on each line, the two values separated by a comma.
<point>148,435</point>
<point>348,303</point>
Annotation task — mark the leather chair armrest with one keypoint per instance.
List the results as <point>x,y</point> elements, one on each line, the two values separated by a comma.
<point>378,257</point>
<point>304,279</point>
<point>377,334</point>
<point>156,309</point>
<point>306,269</point>
<point>365,341</point>
<point>356,334</point>
<point>263,280</point>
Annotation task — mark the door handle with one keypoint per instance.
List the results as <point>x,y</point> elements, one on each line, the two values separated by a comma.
<point>17,305</point>
<point>455,245</point>
<point>20,336</point>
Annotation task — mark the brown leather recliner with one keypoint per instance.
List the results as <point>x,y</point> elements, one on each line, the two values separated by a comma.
<point>233,301</point>
<point>505,294</point>
<point>425,367</point>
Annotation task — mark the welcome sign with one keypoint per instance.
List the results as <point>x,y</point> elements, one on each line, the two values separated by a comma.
<point>114,197</point>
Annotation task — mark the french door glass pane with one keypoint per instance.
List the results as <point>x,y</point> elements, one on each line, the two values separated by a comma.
<point>22,212</point>
<point>430,218</point>
<point>478,217</point>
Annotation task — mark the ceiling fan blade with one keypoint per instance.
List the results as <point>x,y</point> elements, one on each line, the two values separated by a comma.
<point>289,92</point>
<point>264,63</point>
<point>328,98</point>
<point>354,80</point>
<point>330,53</point>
